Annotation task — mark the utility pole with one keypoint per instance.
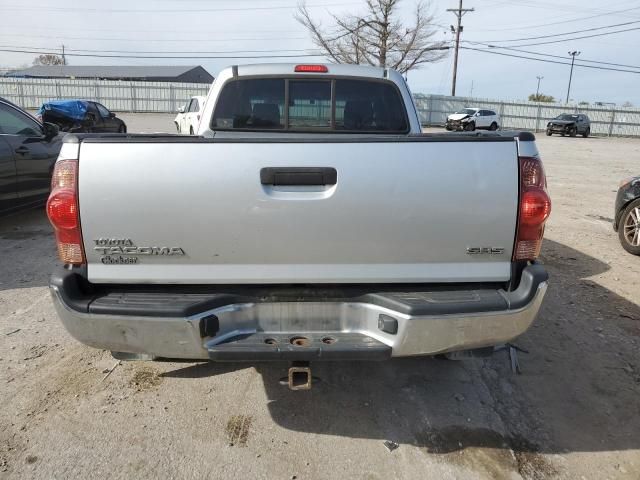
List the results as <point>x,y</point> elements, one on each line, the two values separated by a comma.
<point>538,89</point>
<point>64,59</point>
<point>458,12</point>
<point>573,59</point>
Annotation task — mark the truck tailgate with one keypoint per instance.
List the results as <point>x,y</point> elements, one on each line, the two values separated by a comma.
<point>401,210</point>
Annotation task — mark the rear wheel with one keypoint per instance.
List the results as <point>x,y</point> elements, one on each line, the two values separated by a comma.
<point>586,133</point>
<point>493,127</point>
<point>629,228</point>
<point>190,130</point>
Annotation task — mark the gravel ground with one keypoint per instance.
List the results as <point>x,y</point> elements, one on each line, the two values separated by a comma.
<point>573,413</point>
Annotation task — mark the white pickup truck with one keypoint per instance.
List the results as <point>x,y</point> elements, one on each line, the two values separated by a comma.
<point>310,219</point>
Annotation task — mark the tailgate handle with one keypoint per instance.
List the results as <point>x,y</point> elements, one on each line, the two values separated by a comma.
<point>298,176</point>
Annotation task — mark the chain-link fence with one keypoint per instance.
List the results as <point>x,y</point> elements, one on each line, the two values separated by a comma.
<point>605,120</point>
<point>119,96</point>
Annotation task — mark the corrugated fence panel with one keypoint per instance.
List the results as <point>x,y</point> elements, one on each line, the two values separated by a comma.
<point>433,111</point>
<point>165,97</point>
<point>119,96</point>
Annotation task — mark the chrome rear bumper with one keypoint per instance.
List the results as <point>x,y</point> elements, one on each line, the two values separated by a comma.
<point>200,335</point>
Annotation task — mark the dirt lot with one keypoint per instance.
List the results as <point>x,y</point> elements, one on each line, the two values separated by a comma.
<point>573,413</point>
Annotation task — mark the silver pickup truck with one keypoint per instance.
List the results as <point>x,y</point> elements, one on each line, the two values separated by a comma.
<point>309,219</point>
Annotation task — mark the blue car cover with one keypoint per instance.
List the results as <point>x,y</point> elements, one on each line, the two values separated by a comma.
<point>72,109</point>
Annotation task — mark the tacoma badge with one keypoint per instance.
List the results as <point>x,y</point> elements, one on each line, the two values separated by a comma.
<point>485,250</point>
<point>125,246</point>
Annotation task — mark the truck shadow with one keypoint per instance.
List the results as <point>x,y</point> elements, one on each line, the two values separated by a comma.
<point>28,250</point>
<point>578,391</point>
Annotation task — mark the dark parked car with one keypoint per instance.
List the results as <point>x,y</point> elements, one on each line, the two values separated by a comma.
<point>81,116</point>
<point>627,215</point>
<point>28,152</point>
<point>570,124</point>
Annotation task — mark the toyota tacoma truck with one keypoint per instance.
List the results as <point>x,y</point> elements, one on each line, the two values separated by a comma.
<point>309,219</point>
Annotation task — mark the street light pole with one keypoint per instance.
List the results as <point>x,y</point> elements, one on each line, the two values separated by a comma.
<point>538,89</point>
<point>573,59</point>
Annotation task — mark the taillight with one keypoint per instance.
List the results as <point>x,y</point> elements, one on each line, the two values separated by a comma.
<point>534,209</point>
<point>312,68</point>
<point>63,212</point>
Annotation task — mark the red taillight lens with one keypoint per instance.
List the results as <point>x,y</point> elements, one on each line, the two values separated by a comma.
<point>312,69</point>
<point>62,210</point>
<point>534,209</point>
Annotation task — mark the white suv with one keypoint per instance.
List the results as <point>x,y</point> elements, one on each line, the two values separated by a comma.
<point>471,118</point>
<point>188,117</point>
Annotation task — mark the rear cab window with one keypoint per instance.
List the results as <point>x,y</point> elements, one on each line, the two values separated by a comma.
<point>304,104</point>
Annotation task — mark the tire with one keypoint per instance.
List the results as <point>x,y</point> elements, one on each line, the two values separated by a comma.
<point>573,132</point>
<point>469,127</point>
<point>190,130</point>
<point>629,228</point>
<point>122,129</point>
<point>177,127</point>
<point>586,133</point>
<point>549,133</point>
<point>493,127</point>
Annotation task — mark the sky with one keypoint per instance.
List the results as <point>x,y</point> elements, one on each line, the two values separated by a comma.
<point>260,27</point>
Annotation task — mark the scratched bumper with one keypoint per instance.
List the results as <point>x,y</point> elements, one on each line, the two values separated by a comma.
<point>415,334</point>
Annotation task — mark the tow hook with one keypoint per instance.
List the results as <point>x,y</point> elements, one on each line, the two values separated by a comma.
<point>299,376</point>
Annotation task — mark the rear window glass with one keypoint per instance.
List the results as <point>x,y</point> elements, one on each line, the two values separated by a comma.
<point>314,105</point>
<point>250,105</point>
<point>309,104</point>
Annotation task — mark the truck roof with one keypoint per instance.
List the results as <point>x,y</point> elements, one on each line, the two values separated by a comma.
<point>289,69</point>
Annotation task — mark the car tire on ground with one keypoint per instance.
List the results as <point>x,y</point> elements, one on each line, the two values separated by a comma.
<point>190,130</point>
<point>493,127</point>
<point>629,228</point>
<point>177,127</point>
<point>470,127</point>
<point>549,133</point>
<point>122,129</point>
<point>586,133</point>
<point>573,132</point>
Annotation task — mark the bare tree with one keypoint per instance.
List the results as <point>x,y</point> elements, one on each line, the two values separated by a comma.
<point>49,59</point>
<point>379,38</point>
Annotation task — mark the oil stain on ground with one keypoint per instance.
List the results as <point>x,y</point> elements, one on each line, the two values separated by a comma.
<point>145,378</point>
<point>482,448</point>
<point>238,429</point>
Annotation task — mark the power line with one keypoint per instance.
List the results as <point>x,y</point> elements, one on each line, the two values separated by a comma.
<point>543,25</point>
<point>576,38</point>
<point>551,55</point>
<point>547,61</point>
<point>190,10</point>
<point>94,55</point>
<point>163,40</point>
<point>563,34</point>
<point>163,52</point>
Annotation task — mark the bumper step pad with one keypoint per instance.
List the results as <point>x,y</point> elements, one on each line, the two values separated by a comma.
<point>299,347</point>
